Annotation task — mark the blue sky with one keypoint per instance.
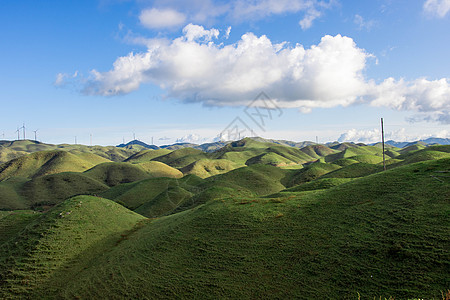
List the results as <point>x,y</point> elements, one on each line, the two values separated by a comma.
<point>184,70</point>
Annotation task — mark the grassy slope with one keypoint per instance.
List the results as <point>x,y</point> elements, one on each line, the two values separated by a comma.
<point>14,149</point>
<point>43,163</point>
<point>181,157</point>
<point>382,235</point>
<point>115,173</point>
<point>57,240</point>
<point>10,194</point>
<point>147,155</point>
<point>55,188</point>
<point>159,169</point>
<point>204,168</point>
<point>311,172</point>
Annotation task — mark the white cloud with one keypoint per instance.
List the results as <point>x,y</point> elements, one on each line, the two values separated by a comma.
<point>437,8</point>
<point>430,98</point>
<point>205,11</point>
<point>193,138</point>
<point>227,33</point>
<point>363,24</point>
<point>195,32</point>
<point>161,18</point>
<point>308,19</point>
<point>195,68</point>
<point>374,136</point>
<point>63,79</point>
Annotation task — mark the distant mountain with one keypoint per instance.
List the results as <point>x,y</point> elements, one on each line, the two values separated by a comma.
<point>425,142</point>
<point>211,147</point>
<point>133,143</point>
<point>440,141</point>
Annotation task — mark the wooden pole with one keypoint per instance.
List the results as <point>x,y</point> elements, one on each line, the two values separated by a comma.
<point>382,141</point>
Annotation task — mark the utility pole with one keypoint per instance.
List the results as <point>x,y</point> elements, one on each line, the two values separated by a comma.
<point>382,141</point>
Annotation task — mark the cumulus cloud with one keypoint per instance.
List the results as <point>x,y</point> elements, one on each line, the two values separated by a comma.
<point>205,11</point>
<point>161,18</point>
<point>431,98</point>
<point>196,68</point>
<point>374,136</point>
<point>437,8</point>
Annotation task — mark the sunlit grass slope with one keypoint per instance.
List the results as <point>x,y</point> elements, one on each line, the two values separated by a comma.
<point>159,169</point>
<point>208,167</point>
<point>76,230</point>
<point>382,235</point>
<point>43,163</point>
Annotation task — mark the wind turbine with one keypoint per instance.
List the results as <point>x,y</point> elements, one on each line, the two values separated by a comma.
<point>23,127</point>
<point>18,133</point>
<point>35,131</point>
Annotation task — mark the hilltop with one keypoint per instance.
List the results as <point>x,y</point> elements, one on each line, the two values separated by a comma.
<point>251,219</point>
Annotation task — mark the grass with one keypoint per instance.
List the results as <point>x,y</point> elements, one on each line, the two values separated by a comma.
<point>159,169</point>
<point>318,184</point>
<point>339,230</point>
<point>50,190</point>
<point>10,196</point>
<point>43,163</point>
<point>115,173</point>
<point>354,171</point>
<point>204,168</point>
<point>379,236</point>
<point>147,155</point>
<point>55,240</point>
<point>311,172</point>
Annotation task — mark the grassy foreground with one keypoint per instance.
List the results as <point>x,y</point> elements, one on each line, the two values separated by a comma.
<point>383,235</point>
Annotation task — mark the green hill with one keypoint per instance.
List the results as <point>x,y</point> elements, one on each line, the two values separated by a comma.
<point>354,151</point>
<point>10,194</point>
<point>159,169</point>
<point>367,158</point>
<point>258,179</point>
<point>204,168</point>
<point>182,157</point>
<point>311,172</point>
<point>43,163</point>
<point>334,243</point>
<point>147,155</point>
<point>354,170</point>
<point>318,184</point>
<point>115,173</point>
<point>54,242</point>
<point>317,151</point>
<point>52,189</point>
<point>14,149</point>
<point>414,147</point>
